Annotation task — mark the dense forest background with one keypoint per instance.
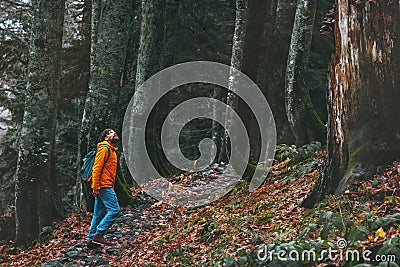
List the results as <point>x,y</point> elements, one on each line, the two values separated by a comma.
<point>197,32</point>
<point>69,69</point>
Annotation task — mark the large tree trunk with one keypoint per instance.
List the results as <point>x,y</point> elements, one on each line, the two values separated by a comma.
<point>85,28</point>
<point>110,21</point>
<point>149,62</point>
<point>151,37</point>
<point>364,95</point>
<point>271,77</point>
<point>109,31</point>
<point>254,46</point>
<point>13,68</point>
<point>303,119</point>
<point>238,44</point>
<point>253,20</point>
<point>35,180</point>
<point>128,79</point>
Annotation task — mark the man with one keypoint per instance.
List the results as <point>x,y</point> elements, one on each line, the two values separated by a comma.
<point>106,207</point>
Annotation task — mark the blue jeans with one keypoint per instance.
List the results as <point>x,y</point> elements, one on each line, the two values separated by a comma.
<point>106,210</point>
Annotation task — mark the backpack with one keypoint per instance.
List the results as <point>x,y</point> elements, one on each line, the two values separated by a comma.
<point>88,161</point>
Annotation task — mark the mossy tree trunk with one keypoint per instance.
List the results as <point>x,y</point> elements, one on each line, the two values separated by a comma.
<point>254,45</point>
<point>364,95</point>
<point>303,119</point>
<point>110,23</point>
<point>128,78</point>
<point>149,62</point>
<point>238,44</point>
<point>36,186</point>
<point>248,40</point>
<point>253,26</point>
<point>85,29</point>
<point>271,76</point>
<point>152,29</point>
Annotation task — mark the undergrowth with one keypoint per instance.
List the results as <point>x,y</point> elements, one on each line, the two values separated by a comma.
<point>269,227</point>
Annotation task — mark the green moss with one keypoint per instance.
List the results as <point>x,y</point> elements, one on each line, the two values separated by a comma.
<point>309,127</point>
<point>122,189</point>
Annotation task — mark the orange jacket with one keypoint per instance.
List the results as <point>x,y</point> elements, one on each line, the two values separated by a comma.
<point>105,179</point>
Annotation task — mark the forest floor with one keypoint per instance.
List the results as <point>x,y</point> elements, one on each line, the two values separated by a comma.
<point>266,227</point>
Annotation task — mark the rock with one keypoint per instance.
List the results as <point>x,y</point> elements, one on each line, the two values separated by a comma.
<point>93,259</point>
<point>56,262</point>
<point>101,262</point>
<point>71,264</point>
<point>73,254</point>
<point>220,169</point>
<point>124,218</point>
<point>81,244</point>
<point>51,263</point>
<point>146,226</point>
<point>214,165</point>
<point>108,236</point>
<point>118,234</point>
<point>112,251</point>
<point>140,197</point>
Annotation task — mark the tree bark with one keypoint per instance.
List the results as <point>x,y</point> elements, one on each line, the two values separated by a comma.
<point>86,45</point>
<point>151,37</point>
<point>35,180</point>
<point>254,45</point>
<point>149,62</point>
<point>14,43</point>
<point>109,40</point>
<point>238,45</point>
<point>249,41</point>
<point>271,76</point>
<point>128,79</point>
<point>363,95</point>
<point>254,22</point>
<point>110,21</point>
<point>303,119</point>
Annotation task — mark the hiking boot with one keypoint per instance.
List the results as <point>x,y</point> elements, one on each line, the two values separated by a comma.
<point>92,245</point>
<point>100,240</point>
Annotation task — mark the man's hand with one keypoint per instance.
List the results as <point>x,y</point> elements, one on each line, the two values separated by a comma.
<point>96,193</point>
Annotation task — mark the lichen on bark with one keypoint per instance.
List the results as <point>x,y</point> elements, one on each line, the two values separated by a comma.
<point>363,95</point>
<point>303,119</point>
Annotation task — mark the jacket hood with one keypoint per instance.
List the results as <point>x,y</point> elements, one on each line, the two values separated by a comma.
<point>107,143</point>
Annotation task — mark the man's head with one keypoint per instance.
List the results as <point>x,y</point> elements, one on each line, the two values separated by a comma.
<point>109,135</point>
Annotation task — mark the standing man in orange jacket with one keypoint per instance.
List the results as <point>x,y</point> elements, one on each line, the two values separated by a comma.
<point>106,207</point>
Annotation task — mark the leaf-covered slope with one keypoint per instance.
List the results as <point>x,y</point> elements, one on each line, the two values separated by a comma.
<point>230,231</point>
